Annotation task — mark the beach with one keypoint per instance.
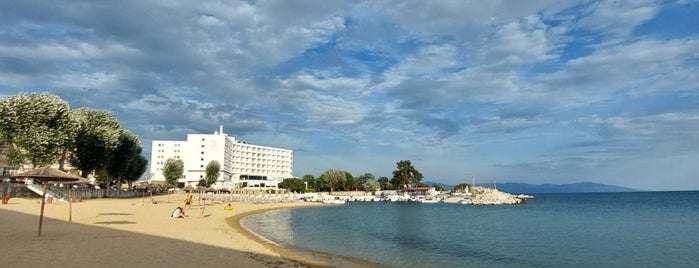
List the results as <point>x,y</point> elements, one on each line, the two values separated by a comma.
<point>136,232</point>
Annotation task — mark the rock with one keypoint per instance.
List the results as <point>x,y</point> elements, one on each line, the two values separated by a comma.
<point>487,196</point>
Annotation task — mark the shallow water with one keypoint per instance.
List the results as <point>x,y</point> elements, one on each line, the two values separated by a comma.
<point>646,229</point>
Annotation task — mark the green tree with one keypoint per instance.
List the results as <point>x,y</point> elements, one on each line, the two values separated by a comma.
<point>137,166</point>
<point>462,187</point>
<point>384,183</point>
<point>350,183</point>
<point>36,128</point>
<point>96,142</point>
<point>173,170</point>
<point>362,179</point>
<point>438,187</point>
<point>405,174</point>
<point>371,186</point>
<point>212,172</point>
<point>292,184</point>
<point>310,182</point>
<point>126,163</point>
<point>333,178</point>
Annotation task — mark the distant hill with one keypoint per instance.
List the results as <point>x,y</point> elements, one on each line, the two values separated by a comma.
<point>446,186</point>
<point>582,187</point>
<point>526,188</point>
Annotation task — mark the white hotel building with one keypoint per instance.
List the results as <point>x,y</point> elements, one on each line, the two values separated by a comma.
<point>242,165</point>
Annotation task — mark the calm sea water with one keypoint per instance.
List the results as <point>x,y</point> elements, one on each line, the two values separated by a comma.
<point>642,229</point>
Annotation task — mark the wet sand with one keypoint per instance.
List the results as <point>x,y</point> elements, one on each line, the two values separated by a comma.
<point>135,232</point>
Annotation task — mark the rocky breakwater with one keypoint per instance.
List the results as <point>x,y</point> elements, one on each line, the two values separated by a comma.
<point>488,196</point>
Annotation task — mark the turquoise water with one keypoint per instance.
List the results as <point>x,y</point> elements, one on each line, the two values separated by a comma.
<point>641,229</point>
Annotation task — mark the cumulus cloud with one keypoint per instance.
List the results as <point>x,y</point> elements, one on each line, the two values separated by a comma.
<point>523,89</point>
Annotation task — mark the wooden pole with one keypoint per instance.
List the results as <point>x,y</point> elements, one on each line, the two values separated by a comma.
<point>70,203</point>
<point>41,216</point>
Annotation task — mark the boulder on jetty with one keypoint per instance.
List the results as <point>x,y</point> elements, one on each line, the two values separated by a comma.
<point>488,196</point>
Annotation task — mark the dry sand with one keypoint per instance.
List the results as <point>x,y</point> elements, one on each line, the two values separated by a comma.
<point>135,233</point>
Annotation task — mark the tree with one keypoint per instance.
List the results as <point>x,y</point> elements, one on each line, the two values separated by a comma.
<point>371,186</point>
<point>384,183</point>
<point>137,166</point>
<point>311,183</point>
<point>173,170</point>
<point>36,128</point>
<point>212,172</point>
<point>362,179</point>
<point>405,175</point>
<point>126,163</point>
<point>438,187</point>
<point>292,184</point>
<point>462,186</point>
<point>333,178</point>
<point>96,142</point>
<point>350,183</point>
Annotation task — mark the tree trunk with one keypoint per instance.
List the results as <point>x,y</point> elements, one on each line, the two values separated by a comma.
<point>62,160</point>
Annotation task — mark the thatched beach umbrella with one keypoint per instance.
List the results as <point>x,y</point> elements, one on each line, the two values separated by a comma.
<point>47,175</point>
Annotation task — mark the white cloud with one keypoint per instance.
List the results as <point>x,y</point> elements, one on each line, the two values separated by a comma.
<point>617,19</point>
<point>506,87</point>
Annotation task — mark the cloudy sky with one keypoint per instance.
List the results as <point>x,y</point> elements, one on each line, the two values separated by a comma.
<point>509,91</point>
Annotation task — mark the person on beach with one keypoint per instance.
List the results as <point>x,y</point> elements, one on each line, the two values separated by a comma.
<point>188,202</point>
<point>178,213</point>
<point>228,207</point>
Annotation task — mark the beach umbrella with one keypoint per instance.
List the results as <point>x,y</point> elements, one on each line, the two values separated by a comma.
<point>47,175</point>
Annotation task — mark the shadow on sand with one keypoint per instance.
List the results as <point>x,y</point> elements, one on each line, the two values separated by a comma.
<point>65,244</point>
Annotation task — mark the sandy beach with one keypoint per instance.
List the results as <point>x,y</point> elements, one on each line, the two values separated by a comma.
<point>134,232</point>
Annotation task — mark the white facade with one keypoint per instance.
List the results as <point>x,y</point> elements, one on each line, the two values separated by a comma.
<point>242,165</point>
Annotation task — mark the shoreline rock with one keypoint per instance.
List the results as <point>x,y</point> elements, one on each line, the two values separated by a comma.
<point>488,196</point>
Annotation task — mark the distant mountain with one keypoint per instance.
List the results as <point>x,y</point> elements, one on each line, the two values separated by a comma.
<point>582,187</point>
<point>446,186</point>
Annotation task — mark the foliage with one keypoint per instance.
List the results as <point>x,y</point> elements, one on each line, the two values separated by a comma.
<point>293,184</point>
<point>333,178</point>
<point>96,142</point>
<point>173,170</point>
<point>127,164</point>
<point>384,183</point>
<point>311,181</point>
<point>40,129</point>
<point>371,186</point>
<point>137,166</point>
<point>350,184</point>
<point>362,179</point>
<point>462,186</point>
<point>212,172</point>
<point>438,187</point>
<point>405,175</point>
<point>37,128</point>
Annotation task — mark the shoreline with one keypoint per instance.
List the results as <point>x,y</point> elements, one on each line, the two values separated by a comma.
<point>118,232</point>
<point>309,258</point>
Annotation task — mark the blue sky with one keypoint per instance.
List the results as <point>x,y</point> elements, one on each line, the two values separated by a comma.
<point>510,91</point>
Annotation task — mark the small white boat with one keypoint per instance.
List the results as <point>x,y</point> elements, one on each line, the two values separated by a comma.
<point>337,200</point>
<point>428,201</point>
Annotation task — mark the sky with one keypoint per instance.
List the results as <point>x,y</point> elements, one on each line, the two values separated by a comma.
<point>507,91</point>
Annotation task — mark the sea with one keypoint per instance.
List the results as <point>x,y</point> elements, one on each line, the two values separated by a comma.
<point>631,229</point>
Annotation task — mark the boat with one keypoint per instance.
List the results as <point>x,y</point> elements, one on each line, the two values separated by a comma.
<point>337,200</point>
<point>428,201</point>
